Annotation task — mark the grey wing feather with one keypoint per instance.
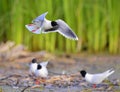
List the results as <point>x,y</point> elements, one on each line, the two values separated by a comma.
<point>65,30</point>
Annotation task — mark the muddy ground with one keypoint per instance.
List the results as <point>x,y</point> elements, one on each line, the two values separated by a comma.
<point>63,71</point>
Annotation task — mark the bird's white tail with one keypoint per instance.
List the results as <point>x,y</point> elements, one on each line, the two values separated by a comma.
<point>44,63</point>
<point>109,72</point>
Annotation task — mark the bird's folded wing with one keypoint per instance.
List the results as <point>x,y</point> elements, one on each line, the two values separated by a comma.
<point>65,30</point>
<point>33,28</point>
<point>102,76</point>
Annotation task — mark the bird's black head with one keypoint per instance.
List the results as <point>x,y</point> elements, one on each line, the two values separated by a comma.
<point>83,73</point>
<point>53,23</point>
<point>39,66</point>
<point>34,60</point>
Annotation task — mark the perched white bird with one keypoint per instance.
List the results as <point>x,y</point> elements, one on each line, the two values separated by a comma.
<point>33,66</point>
<point>41,70</point>
<point>42,25</point>
<point>96,78</point>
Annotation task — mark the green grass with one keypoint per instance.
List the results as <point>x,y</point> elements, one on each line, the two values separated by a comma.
<point>96,23</point>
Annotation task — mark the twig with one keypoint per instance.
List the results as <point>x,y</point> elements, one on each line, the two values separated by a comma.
<point>25,88</point>
<point>35,86</point>
<point>18,80</point>
<point>14,75</point>
<point>6,77</point>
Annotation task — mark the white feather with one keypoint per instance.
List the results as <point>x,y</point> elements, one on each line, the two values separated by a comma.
<point>43,72</point>
<point>98,78</point>
<point>33,67</point>
<point>46,24</point>
<point>33,28</point>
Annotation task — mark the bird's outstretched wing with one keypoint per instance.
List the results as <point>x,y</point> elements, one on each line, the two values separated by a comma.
<point>41,17</point>
<point>65,30</point>
<point>33,28</point>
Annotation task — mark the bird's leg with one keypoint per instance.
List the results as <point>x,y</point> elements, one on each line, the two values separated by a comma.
<point>40,80</point>
<point>94,85</point>
<point>37,82</point>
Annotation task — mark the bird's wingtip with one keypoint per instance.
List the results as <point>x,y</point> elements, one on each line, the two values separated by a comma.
<point>76,38</point>
<point>46,12</point>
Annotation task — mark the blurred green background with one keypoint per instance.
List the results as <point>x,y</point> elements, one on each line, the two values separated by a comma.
<point>96,23</point>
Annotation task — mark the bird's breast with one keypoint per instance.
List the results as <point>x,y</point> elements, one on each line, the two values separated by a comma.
<point>47,25</point>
